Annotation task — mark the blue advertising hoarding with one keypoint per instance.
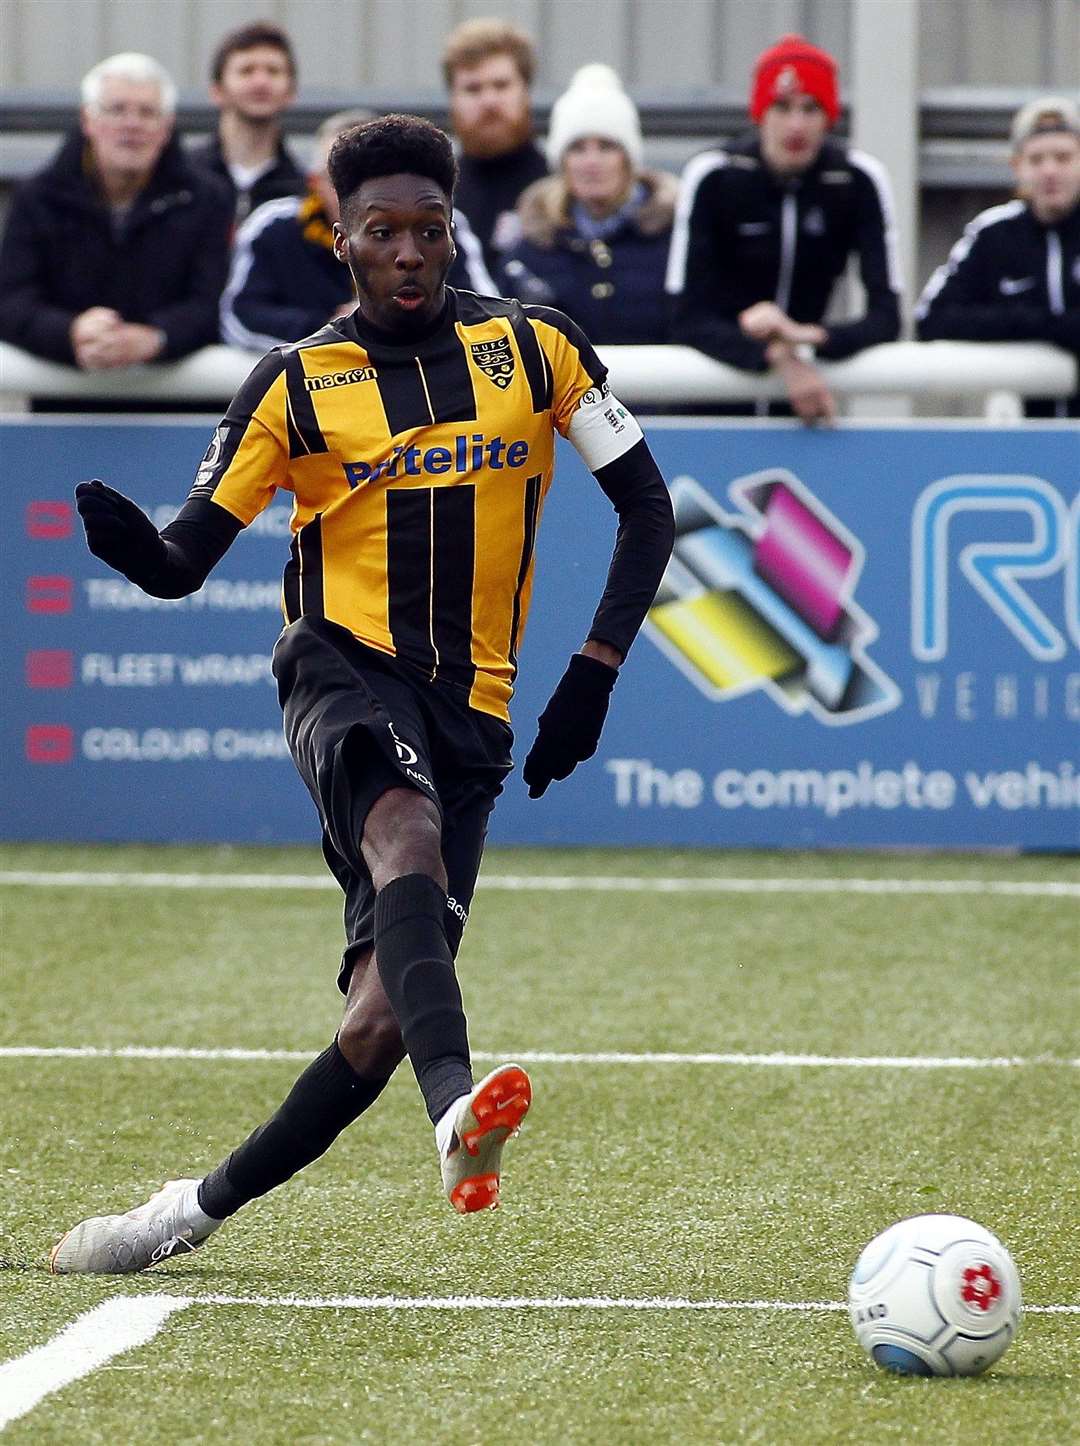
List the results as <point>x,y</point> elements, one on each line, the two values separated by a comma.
<point>867,636</point>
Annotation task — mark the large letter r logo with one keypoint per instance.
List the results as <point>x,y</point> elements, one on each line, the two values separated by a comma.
<point>992,568</point>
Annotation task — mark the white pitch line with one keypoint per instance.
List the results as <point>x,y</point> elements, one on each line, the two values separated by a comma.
<point>87,879</point>
<point>561,883</point>
<point>110,1329</point>
<point>508,1302</point>
<point>543,1056</point>
<point>554,1302</point>
<point>619,883</point>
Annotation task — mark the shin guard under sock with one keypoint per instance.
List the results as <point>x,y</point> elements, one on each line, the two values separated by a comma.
<point>417,971</point>
<point>328,1096</point>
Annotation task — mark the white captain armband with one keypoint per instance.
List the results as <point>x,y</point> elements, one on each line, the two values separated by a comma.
<point>602,429</point>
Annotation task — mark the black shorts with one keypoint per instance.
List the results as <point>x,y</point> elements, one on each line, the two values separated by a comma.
<point>359,722</point>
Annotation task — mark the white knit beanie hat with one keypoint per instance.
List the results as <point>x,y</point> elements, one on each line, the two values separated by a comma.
<point>594,104</point>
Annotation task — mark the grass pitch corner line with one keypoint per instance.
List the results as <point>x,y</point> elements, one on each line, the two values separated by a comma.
<point>90,1341</point>
<point>124,1322</point>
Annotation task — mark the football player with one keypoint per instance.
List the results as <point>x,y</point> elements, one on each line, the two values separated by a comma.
<point>416,436</point>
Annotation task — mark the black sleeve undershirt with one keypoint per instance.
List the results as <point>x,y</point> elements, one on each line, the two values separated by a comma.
<point>643,544</point>
<point>194,543</point>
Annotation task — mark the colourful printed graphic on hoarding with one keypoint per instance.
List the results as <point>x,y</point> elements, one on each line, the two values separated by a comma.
<point>762,598</point>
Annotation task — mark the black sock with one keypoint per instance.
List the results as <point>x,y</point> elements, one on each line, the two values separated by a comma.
<point>328,1096</point>
<point>417,971</point>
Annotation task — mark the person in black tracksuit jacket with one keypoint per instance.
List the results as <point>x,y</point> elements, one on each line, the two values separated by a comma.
<point>285,281</point>
<point>765,226</point>
<point>158,266</point>
<point>1014,275</point>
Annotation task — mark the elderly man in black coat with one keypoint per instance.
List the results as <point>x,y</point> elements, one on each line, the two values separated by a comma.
<point>117,252</point>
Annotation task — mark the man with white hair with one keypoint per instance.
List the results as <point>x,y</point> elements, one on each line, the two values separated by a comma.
<point>1014,275</point>
<point>116,253</point>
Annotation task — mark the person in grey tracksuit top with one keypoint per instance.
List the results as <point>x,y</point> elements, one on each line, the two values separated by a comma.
<point>1014,275</point>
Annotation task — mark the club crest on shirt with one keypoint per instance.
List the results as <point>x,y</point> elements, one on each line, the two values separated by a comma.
<point>495,359</point>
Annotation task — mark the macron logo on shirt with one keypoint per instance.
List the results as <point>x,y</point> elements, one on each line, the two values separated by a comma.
<point>468,454</point>
<point>339,379</point>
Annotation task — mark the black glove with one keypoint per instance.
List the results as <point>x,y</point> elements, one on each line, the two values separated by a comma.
<point>119,532</point>
<point>569,727</point>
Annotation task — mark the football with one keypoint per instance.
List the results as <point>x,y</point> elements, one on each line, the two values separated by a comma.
<point>936,1295</point>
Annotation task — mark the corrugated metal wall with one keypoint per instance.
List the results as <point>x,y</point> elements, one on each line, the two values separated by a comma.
<point>668,46</point>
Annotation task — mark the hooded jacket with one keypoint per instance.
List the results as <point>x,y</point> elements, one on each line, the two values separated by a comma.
<point>164,266</point>
<point>613,288</point>
<point>1010,278</point>
<point>744,234</point>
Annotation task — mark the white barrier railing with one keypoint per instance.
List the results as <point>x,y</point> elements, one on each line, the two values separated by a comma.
<point>655,376</point>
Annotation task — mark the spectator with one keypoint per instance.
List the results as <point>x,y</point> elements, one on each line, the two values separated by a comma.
<point>488,66</point>
<point>765,226</point>
<point>285,281</point>
<point>1014,275</point>
<point>116,252</point>
<point>253,83</point>
<point>596,234</point>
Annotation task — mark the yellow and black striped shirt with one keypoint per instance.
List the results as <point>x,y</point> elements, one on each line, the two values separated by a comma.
<point>418,474</point>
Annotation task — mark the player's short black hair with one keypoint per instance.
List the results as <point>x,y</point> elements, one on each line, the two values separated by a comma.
<point>391,145</point>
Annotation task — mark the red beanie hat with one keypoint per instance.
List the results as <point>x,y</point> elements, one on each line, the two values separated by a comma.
<point>794,64</point>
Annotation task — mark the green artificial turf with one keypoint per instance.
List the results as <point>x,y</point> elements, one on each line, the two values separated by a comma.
<point>649,1181</point>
